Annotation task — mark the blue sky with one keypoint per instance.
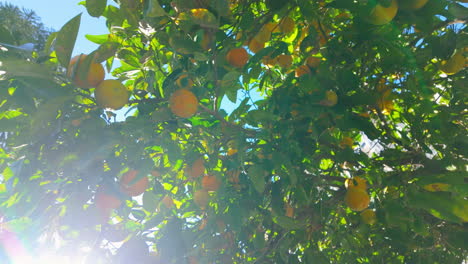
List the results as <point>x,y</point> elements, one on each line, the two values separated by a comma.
<point>55,13</point>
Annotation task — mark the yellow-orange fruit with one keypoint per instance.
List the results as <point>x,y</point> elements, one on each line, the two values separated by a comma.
<point>381,15</point>
<point>313,62</point>
<point>128,186</point>
<point>455,64</point>
<point>331,98</point>
<point>94,74</point>
<point>183,103</point>
<point>201,198</point>
<point>184,81</point>
<point>197,169</point>
<point>357,199</point>
<point>301,70</point>
<point>368,216</point>
<point>111,94</point>
<point>284,61</point>
<point>167,201</point>
<point>210,183</point>
<point>237,57</point>
<point>356,182</point>
<point>346,142</point>
<point>104,200</point>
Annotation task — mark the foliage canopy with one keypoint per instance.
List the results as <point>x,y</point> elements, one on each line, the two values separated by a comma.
<point>323,97</point>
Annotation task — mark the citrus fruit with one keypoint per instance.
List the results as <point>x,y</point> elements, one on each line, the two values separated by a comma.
<point>197,169</point>
<point>289,210</point>
<point>284,61</point>
<point>255,46</point>
<point>167,201</point>
<point>412,4</point>
<point>381,15</point>
<point>184,81</point>
<point>237,57</point>
<point>268,61</point>
<point>94,74</point>
<point>201,198</point>
<point>286,25</point>
<point>313,62</point>
<point>210,183</point>
<point>330,99</point>
<point>105,200</point>
<point>301,70</point>
<point>356,182</point>
<point>111,94</point>
<point>131,187</point>
<point>346,142</point>
<point>453,65</point>
<point>183,103</point>
<point>231,151</point>
<point>368,216</point>
<point>357,199</point>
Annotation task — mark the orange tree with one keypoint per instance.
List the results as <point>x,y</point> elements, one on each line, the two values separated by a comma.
<point>356,106</point>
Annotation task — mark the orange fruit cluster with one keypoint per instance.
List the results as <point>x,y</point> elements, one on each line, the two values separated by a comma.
<point>131,187</point>
<point>356,196</point>
<point>94,74</point>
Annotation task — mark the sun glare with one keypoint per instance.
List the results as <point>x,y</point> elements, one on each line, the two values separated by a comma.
<point>45,259</point>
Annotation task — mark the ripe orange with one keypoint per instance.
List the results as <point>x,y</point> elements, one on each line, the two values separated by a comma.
<point>268,61</point>
<point>255,46</point>
<point>167,201</point>
<point>184,81</point>
<point>346,142</point>
<point>183,103</point>
<point>201,198</point>
<point>284,61</point>
<point>356,182</point>
<point>289,210</point>
<point>111,94</point>
<point>231,151</point>
<point>313,62</point>
<point>368,216</point>
<point>237,57</point>
<point>330,99</point>
<point>197,169</point>
<point>381,15</point>
<point>286,25</point>
<point>104,200</point>
<point>94,75</point>
<point>357,199</point>
<point>455,64</point>
<point>210,183</point>
<point>301,70</point>
<point>128,186</point>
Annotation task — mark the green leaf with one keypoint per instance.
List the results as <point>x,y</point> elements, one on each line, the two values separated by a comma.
<point>95,8</point>
<point>230,84</point>
<point>150,201</point>
<point>257,176</point>
<point>154,9</point>
<point>98,39</point>
<point>442,205</point>
<point>66,38</point>
<point>288,223</point>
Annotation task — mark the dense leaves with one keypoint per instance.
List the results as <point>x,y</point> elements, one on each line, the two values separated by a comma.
<point>325,97</point>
